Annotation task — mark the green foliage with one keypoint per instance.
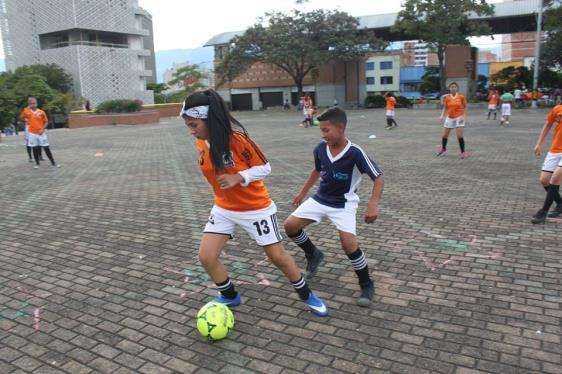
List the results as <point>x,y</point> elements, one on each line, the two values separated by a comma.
<point>63,103</point>
<point>430,81</point>
<point>189,77</point>
<point>403,102</point>
<point>442,22</point>
<point>551,55</point>
<point>375,101</point>
<point>297,43</point>
<point>32,85</point>
<point>119,106</point>
<point>55,76</point>
<point>158,88</point>
<point>512,76</point>
<point>482,82</point>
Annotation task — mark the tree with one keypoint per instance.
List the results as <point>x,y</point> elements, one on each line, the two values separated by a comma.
<point>551,57</point>
<point>442,22</point>
<point>189,77</point>
<point>158,88</point>
<point>297,43</point>
<point>430,80</point>
<point>55,76</point>
<point>512,76</point>
<point>482,83</point>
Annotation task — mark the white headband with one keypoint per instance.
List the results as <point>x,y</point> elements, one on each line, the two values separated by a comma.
<point>199,112</point>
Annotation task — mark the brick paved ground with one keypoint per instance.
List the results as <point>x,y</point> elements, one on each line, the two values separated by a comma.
<point>98,270</point>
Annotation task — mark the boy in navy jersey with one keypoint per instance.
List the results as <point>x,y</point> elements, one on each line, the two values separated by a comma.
<point>339,164</point>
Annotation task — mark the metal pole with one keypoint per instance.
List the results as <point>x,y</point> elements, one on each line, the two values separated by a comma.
<point>537,56</point>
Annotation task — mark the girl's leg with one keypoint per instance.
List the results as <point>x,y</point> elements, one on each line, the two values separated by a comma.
<point>444,140</point>
<point>29,153</point>
<point>210,249</point>
<point>460,137</point>
<point>49,155</point>
<point>551,195</point>
<point>36,151</point>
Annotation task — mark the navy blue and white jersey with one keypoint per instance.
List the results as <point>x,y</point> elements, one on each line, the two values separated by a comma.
<point>340,175</point>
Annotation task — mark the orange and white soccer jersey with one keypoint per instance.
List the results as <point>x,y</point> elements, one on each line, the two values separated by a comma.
<point>555,116</point>
<point>493,98</point>
<point>390,103</point>
<point>244,154</point>
<point>454,105</point>
<point>36,119</point>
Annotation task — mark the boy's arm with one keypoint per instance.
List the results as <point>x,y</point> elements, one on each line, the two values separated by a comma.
<point>542,136</point>
<point>372,212</point>
<point>312,178</point>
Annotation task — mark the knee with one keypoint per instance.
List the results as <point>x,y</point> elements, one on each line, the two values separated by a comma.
<point>280,258</point>
<point>545,180</point>
<point>291,228</point>
<point>206,258</point>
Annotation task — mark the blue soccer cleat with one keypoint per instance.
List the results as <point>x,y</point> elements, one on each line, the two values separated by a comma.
<point>228,302</point>
<point>316,305</point>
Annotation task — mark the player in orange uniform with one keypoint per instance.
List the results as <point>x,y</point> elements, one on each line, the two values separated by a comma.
<point>390,105</point>
<point>235,168</point>
<point>493,97</point>
<point>551,174</point>
<point>36,122</point>
<point>454,104</point>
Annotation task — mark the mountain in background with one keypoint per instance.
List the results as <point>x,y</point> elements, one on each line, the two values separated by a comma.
<point>165,59</point>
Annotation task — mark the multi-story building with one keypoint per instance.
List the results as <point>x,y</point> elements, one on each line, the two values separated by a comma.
<point>106,45</point>
<point>416,53</point>
<point>382,73</point>
<point>485,55</point>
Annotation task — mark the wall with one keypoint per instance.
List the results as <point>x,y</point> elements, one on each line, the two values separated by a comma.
<point>377,73</point>
<point>76,121</point>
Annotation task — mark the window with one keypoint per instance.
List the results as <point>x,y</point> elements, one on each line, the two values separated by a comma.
<point>370,80</point>
<point>386,65</point>
<point>386,80</point>
<point>370,66</point>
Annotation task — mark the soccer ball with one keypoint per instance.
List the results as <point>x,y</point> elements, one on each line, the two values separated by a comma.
<point>215,321</point>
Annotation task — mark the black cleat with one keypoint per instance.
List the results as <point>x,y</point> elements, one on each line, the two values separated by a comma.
<point>539,217</point>
<point>367,292</point>
<point>313,263</point>
<point>556,212</point>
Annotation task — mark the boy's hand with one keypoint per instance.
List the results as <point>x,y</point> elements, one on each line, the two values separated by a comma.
<point>372,213</point>
<point>227,181</point>
<point>298,200</point>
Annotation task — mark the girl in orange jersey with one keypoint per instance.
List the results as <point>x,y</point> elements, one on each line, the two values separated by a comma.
<point>390,106</point>
<point>235,168</point>
<point>493,97</point>
<point>454,104</point>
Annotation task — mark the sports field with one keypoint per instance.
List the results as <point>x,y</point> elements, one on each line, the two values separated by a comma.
<point>98,267</point>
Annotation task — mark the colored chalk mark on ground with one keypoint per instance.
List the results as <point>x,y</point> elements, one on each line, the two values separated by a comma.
<point>13,314</point>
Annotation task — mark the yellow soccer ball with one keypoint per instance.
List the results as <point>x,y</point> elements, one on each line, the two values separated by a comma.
<point>215,321</point>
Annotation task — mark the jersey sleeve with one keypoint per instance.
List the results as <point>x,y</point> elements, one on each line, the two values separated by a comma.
<point>366,165</point>
<point>45,118</point>
<point>317,162</point>
<point>248,151</point>
<point>23,115</point>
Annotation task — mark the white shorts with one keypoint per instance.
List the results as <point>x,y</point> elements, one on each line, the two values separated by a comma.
<point>552,161</point>
<point>261,224</point>
<point>35,140</point>
<point>307,113</point>
<point>506,109</point>
<point>343,218</point>
<point>390,113</point>
<point>453,123</point>
<point>491,107</point>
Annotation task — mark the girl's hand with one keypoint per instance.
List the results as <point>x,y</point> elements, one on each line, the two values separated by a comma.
<point>227,181</point>
<point>537,150</point>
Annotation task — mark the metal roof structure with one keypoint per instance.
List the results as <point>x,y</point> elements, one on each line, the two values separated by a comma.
<point>511,16</point>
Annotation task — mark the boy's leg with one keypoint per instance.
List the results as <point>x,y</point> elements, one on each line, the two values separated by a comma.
<point>209,251</point>
<point>294,228</point>
<point>359,263</point>
<point>49,155</point>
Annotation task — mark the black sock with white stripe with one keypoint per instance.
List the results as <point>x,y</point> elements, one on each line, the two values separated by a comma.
<point>557,198</point>
<point>302,240</point>
<point>302,288</point>
<point>359,263</point>
<point>226,289</point>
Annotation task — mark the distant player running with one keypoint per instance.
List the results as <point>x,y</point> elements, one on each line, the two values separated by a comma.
<point>235,168</point>
<point>339,164</point>
<point>36,122</point>
<point>551,174</point>
<point>507,99</point>
<point>390,106</point>
<point>454,105</point>
<point>308,111</point>
<point>493,103</point>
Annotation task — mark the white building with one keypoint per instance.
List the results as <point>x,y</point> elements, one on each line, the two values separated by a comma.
<point>383,73</point>
<point>106,45</point>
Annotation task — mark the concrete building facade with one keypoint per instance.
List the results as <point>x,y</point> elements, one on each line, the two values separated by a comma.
<point>106,45</point>
<point>383,73</point>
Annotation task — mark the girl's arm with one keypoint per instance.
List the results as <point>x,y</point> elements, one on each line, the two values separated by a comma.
<point>542,136</point>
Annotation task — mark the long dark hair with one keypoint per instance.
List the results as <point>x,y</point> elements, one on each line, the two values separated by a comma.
<point>220,124</point>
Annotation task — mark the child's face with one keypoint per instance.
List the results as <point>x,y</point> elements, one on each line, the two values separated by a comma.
<point>332,133</point>
<point>197,127</point>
